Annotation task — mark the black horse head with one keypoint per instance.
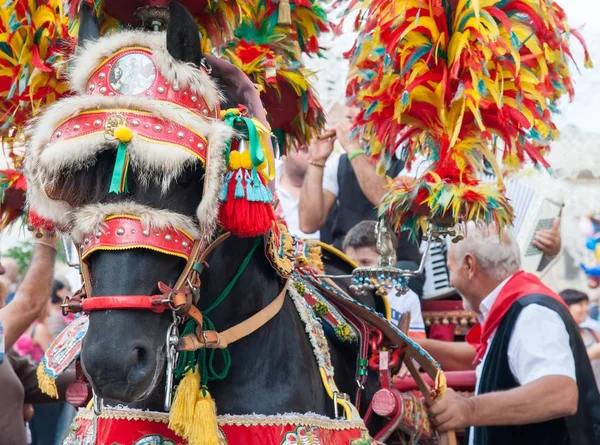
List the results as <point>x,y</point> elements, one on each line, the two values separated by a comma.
<point>124,350</point>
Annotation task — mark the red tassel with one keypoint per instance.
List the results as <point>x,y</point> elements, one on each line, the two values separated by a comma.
<point>244,218</point>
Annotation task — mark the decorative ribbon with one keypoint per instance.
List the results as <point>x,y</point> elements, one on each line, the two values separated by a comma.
<point>118,183</point>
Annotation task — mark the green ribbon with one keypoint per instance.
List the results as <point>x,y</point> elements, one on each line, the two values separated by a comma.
<point>248,129</point>
<point>118,183</point>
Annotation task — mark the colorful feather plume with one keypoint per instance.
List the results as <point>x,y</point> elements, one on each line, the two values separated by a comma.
<point>462,83</point>
<point>33,34</point>
<point>216,19</point>
<point>270,53</point>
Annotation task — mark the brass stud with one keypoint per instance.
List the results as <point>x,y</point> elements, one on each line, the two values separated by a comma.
<point>168,237</point>
<point>157,128</point>
<point>184,244</point>
<point>135,122</point>
<point>76,127</point>
<point>180,135</point>
<point>97,123</point>
<point>120,231</point>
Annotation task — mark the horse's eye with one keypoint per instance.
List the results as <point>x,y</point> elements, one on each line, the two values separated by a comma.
<point>194,174</point>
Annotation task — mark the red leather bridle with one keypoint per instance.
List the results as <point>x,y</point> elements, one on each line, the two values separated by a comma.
<point>124,232</point>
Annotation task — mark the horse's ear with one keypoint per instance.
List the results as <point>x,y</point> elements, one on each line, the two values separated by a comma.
<point>183,38</point>
<point>88,25</point>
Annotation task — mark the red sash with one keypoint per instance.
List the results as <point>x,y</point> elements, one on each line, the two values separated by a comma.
<point>520,285</point>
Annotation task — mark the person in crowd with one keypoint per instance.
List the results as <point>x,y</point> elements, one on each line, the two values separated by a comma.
<point>360,245</point>
<point>56,321</point>
<point>289,177</point>
<point>350,181</point>
<point>34,342</point>
<point>579,304</point>
<point>18,380</point>
<point>11,273</point>
<point>535,384</point>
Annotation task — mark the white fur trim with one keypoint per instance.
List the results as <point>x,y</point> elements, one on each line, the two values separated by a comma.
<point>186,75</point>
<point>208,210</point>
<point>51,209</point>
<point>90,218</point>
<point>163,161</point>
<point>156,162</point>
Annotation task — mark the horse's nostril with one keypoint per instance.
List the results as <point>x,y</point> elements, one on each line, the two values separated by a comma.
<point>140,355</point>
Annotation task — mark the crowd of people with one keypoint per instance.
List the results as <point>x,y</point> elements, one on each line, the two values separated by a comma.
<point>536,352</point>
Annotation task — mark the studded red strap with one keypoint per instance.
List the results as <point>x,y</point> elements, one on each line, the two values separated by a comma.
<point>123,232</point>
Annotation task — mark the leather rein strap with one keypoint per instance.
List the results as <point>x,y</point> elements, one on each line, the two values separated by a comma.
<point>212,339</point>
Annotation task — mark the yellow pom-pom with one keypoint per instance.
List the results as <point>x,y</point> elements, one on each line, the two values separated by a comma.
<point>234,160</point>
<point>123,134</point>
<point>239,160</point>
<point>245,160</point>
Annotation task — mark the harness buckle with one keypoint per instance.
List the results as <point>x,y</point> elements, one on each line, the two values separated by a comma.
<point>211,343</point>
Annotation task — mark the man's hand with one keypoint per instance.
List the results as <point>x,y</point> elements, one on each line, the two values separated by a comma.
<point>452,412</point>
<point>343,131</point>
<point>548,240</point>
<point>320,150</point>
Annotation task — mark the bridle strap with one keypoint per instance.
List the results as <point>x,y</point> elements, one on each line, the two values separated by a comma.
<point>154,303</point>
<point>212,339</point>
<point>178,299</point>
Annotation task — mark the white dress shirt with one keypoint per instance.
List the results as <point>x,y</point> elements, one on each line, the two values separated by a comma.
<point>539,345</point>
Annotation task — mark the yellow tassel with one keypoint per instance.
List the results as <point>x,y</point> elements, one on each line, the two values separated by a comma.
<point>285,13</point>
<point>181,416</point>
<point>205,429</point>
<point>46,383</point>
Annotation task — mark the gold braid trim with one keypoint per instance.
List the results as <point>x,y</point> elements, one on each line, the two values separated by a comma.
<point>224,420</point>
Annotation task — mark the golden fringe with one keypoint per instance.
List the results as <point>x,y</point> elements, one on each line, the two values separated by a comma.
<point>205,429</point>
<point>181,415</point>
<point>284,17</point>
<point>46,383</point>
<point>315,257</point>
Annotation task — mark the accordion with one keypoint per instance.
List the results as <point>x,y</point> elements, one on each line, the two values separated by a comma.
<point>533,212</point>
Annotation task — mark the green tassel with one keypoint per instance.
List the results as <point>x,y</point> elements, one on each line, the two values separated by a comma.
<point>118,183</point>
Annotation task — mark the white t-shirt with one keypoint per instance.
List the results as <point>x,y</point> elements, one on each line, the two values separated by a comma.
<point>289,207</point>
<point>409,302</point>
<point>330,178</point>
<point>539,345</point>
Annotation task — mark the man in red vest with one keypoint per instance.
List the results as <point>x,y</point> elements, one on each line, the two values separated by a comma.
<point>535,384</point>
